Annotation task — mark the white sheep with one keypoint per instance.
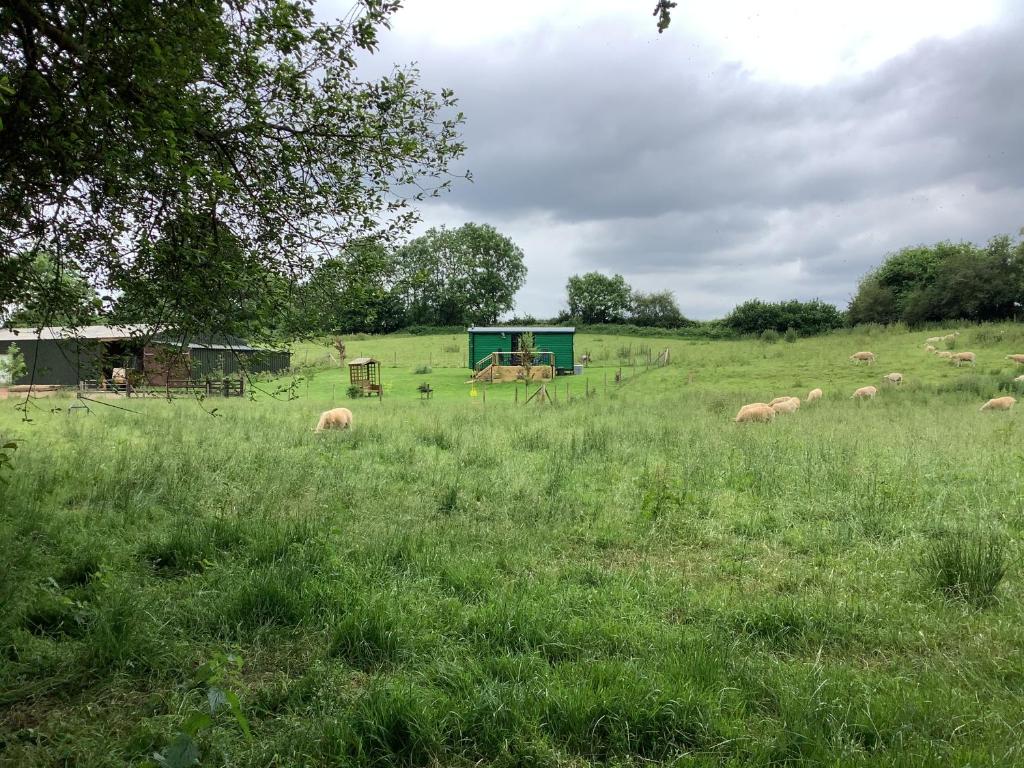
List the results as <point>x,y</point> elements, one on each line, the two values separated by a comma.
<point>755,412</point>
<point>790,405</point>
<point>1018,359</point>
<point>814,394</point>
<point>963,357</point>
<point>893,378</point>
<point>999,404</point>
<point>866,357</point>
<point>863,392</point>
<point>336,418</point>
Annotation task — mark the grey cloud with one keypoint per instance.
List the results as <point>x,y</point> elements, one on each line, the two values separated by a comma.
<point>693,165</point>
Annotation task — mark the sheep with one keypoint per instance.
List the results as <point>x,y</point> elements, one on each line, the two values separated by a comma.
<point>781,399</point>
<point>755,412</point>
<point>790,405</point>
<point>814,394</point>
<point>963,357</point>
<point>893,378</point>
<point>999,404</point>
<point>944,353</point>
<point>868,392</point>
<point>867,357</point>
<point>336,418</point>
<point>929,348</point>
<point>1018,359</point>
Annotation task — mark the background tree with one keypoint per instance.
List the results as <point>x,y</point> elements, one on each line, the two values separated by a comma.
<point>945,281</point>
<point>353,293</point>
<point>805,317</point>
<point>658,309</point>
<point>123,118</point>
<point>595,298</point>
<point>460,276</point>
<point>44,292</point>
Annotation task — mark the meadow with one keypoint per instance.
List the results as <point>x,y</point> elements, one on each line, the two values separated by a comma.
<point>621,579</point>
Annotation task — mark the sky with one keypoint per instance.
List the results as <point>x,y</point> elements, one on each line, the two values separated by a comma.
<point>770,149</point>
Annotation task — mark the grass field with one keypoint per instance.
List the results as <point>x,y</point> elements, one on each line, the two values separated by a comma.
<point>618,580</point>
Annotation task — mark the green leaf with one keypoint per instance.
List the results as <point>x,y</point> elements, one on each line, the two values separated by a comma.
<point>236,708</point>
<point>217,699</point>
<point>196,722</point>
<point>180,753</point>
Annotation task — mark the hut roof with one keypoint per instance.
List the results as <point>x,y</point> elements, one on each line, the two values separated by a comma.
<point>522,329</point>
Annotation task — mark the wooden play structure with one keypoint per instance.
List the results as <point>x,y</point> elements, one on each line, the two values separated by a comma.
<point>364,372</point>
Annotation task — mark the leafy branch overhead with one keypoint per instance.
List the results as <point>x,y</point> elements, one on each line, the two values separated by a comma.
<point>130,129</point>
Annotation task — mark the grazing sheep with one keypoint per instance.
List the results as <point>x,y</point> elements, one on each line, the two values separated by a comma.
<point>1018,359</point>
<point>755,412</point>
<point>864,392</point>
<point>999,404</point>
<point>929,348</point>
<point>814,394</point>
<point>893,378</point>
<point>963,357</point>
<point>790,405</point>
<point>944,353</point>
<point>867,357</point>
<point>781,399</point>
<point>336,418</point>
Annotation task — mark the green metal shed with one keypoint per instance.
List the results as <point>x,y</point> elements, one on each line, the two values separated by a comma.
<point>484,341</point>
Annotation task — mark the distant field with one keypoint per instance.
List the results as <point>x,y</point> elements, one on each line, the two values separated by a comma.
<point>621,580</point>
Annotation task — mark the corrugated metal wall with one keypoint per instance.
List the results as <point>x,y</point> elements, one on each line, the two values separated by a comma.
<point>61,362</point>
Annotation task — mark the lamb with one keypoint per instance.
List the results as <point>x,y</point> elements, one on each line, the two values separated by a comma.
<point>755,412</point>
<point>868,392</point>
<point>999,404</point>
<point>1018,359</point>
<point>893,378</point>
<point>336,418</point>
<point>790,405</point>
<point>867,357</point>
<point>814,394</point>
<point>963,357</point>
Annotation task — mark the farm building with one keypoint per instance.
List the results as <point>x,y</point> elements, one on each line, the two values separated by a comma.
<point>485,342</point>
<point>67,357</point>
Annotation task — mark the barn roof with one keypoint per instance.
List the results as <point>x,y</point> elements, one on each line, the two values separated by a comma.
<point>523,329</point>
<point>122,333</point>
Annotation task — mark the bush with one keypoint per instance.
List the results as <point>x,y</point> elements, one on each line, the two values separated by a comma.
<point>770,336</point>
<point>966,566</point>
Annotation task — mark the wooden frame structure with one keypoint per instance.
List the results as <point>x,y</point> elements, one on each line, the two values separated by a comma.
<point>364,372</point>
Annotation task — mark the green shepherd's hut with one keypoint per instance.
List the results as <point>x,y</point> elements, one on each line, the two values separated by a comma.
<point>485,341</point>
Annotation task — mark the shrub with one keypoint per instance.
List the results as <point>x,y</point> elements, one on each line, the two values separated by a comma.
<point>966,566</point>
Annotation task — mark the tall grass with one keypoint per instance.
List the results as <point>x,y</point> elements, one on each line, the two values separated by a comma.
<point>621,580</point>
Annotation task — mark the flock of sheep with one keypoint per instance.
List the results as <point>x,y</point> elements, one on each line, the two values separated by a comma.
<point>764,412</point>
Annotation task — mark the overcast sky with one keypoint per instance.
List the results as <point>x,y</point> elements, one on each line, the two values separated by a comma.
<point>758,148</point>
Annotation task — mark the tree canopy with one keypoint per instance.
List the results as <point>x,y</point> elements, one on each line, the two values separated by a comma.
<point>459,276</point>
<point>129,128</point>
<point>945,281</point>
